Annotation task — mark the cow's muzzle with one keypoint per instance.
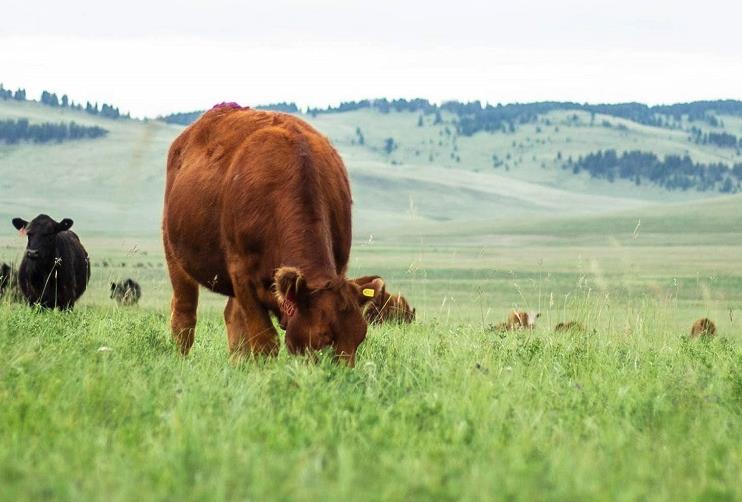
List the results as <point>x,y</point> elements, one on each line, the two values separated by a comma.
<point>32,253</point>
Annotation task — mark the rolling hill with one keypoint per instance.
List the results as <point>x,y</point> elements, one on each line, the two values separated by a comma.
<point>413,173</point>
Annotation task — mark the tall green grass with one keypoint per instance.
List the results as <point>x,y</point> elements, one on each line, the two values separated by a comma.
<point>96,404</point>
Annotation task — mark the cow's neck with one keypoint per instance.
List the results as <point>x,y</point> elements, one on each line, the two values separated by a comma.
<point>309,249</point>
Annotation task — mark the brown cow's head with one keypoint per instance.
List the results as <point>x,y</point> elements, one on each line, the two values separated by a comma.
<point>319,316</point>
<point>385,307</point>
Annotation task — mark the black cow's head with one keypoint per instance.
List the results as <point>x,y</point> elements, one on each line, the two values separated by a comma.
<point>41,233</point>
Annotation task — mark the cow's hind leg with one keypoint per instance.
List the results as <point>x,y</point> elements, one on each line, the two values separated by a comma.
<point>182,307</point>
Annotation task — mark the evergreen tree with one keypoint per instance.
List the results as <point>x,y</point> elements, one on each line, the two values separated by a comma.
<point>389,145</point>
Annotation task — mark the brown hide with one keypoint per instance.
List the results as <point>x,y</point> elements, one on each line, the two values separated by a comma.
<point>703,327</point>
<point>520,319</point>
<point>384,307</point>
<point>258,208</point>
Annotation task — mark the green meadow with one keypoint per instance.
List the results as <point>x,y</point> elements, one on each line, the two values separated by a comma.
<point>95,404</point>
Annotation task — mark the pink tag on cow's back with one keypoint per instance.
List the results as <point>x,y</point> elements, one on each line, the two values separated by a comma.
<point>229,104</point>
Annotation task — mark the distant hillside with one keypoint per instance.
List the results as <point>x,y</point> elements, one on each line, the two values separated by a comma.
<point>702,123</point>
<point>473,117</point>
<point>413,169</point>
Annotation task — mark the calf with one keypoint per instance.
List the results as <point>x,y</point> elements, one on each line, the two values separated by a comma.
<point>258,208</point>
<point>127,292</point>
<point>9,283</point>
<point>55,269</point>
<point>383,307</point>
<point>703,327</point>
<point>517,319</point>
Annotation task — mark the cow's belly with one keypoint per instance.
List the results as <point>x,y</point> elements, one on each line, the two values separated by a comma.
<point>192,233</point>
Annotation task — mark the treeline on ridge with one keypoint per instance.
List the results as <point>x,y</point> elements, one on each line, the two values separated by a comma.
<point>674,172</point>
<point>721,139</point>
<point>52,99</point>
<point>15,131</point>
<point>472,117</point>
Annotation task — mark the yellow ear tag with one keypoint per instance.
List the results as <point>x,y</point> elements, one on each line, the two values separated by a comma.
<point>368,292</point>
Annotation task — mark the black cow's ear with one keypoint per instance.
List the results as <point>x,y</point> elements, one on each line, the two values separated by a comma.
<point>113,286</point>
<point>65,224</point>
<point>19,223</point>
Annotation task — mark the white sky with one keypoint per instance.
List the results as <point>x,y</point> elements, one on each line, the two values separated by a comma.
<point>151,57</point>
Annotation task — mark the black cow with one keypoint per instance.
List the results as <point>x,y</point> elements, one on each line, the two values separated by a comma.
<point>126,292</point>
<point>55,269</point>
<point>9,283</point>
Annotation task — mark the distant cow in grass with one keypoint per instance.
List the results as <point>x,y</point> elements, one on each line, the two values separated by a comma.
<point>55,269</point>
<point>569,326</point>
<point>703,328</point>
<point>518,319</point>
<point>383,307</point>
<point>127,292</point>
<point>9,283</point>
<point>258,208</point>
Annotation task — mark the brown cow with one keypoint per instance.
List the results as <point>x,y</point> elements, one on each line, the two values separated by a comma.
<point>703,327</point>
<point>517,319</point>
<point>258,208</point>
<point>384,307</point>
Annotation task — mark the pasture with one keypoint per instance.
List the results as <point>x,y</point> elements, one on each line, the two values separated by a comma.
<point>97,404</point>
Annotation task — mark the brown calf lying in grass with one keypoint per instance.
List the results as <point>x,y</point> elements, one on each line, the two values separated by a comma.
<point>703,327</point>
<point>518,319</point>
<point>384,307</point>
<point>564,327</point>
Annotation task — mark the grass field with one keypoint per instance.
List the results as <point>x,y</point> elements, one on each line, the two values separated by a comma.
<point>442,409</point>
<point>96,404</point>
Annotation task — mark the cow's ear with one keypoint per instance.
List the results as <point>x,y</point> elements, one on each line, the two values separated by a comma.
<point>289,286</point>
<point>365,279</point>
<point>65,224</point>
<point>19,223</point>
<point>113,286</point>
<point>369,291</point>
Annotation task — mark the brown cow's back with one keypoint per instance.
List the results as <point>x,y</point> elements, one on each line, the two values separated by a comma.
<point>248,180</point>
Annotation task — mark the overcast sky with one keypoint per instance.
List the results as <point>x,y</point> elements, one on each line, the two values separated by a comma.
<point>151,57</point>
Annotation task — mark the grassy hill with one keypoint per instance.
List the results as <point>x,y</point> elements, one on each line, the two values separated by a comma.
<point>430,179</point>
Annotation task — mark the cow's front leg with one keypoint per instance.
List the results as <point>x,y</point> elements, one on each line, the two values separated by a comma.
<point>249,325</point>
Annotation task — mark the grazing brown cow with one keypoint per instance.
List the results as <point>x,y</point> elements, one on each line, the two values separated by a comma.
<point>517,319</point>
<point>258,208</point>
<point>703,327</point>
<point>564,327</point>
<point>383,307</point>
